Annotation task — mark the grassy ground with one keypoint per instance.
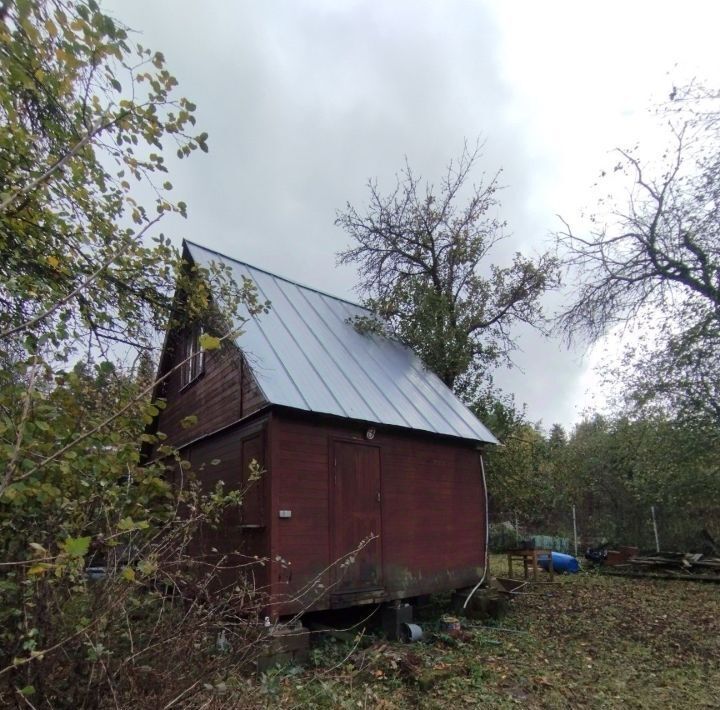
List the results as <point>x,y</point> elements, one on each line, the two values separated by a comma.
<point>586,641</point>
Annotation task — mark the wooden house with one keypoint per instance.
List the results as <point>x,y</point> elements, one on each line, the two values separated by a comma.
<point>358,440</point>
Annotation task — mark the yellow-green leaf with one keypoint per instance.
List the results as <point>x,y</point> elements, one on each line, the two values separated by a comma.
<point>130,524</point>
<point>76,546</point>
<point>37,570</point>
<point>147,567</point>
<point>209,342</point>
<point>187,422</point>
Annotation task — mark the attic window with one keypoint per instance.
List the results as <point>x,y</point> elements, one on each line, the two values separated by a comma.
<point>193,356</point>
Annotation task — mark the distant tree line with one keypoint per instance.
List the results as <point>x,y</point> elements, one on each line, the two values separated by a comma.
<point>612,470</point>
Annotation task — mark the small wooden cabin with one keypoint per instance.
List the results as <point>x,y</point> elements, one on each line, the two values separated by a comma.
<point>357,439</point>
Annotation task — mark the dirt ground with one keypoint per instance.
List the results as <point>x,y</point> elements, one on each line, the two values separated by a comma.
<point>586,641</point>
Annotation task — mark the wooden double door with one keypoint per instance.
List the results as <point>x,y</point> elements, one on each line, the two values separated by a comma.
<point>356,517</point>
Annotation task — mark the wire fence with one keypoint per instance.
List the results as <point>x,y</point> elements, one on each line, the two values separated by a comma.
<point>650,528</point>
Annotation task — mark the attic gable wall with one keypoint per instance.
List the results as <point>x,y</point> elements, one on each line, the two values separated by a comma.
<point>223,394</point>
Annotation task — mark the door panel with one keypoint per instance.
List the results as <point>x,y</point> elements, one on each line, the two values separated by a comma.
<point>356,515</point>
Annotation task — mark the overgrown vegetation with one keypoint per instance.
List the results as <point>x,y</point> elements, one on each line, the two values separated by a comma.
<point>86,289</point>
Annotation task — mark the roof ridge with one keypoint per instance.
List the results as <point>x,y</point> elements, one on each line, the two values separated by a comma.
<point>278,276</point>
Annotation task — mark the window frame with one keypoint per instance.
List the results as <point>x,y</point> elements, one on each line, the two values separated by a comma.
<point>193,357</point>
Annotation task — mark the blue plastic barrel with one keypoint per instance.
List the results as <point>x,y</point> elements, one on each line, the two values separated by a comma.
<point>561,563</point>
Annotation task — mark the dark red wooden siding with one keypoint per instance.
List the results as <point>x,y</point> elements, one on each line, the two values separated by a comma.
<point>432,509</point>
<point>243,534</point>
<point>300,454</point>
<point>223,394</point>
<point>252,398</point>
<point>433,514</point>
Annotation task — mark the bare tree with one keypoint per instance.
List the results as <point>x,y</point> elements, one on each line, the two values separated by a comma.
<point>423,258</point>
<point>657,258</point>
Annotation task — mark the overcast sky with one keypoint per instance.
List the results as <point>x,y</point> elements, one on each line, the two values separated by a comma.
<point>304,101</point>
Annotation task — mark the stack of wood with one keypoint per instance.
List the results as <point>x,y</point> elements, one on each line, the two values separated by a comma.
<point>671,565</point>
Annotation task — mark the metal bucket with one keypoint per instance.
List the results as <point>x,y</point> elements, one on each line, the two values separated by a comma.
<point>411,633</point>
<point>450,625</point>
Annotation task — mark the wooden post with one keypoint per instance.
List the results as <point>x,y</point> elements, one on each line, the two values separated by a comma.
<point>575,530</point>
<point>657,539</point>
<point>551,566</point>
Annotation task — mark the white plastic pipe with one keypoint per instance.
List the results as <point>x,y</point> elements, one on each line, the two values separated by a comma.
<point>487,537</point>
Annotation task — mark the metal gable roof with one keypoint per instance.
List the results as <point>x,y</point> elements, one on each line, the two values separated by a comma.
<point>306,354</point>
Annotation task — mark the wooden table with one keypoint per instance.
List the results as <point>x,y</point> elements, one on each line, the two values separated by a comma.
<point>529,558</point>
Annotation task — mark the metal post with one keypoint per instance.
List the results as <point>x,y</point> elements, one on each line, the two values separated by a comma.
<point>575,530</point>
<point>657,539</point>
